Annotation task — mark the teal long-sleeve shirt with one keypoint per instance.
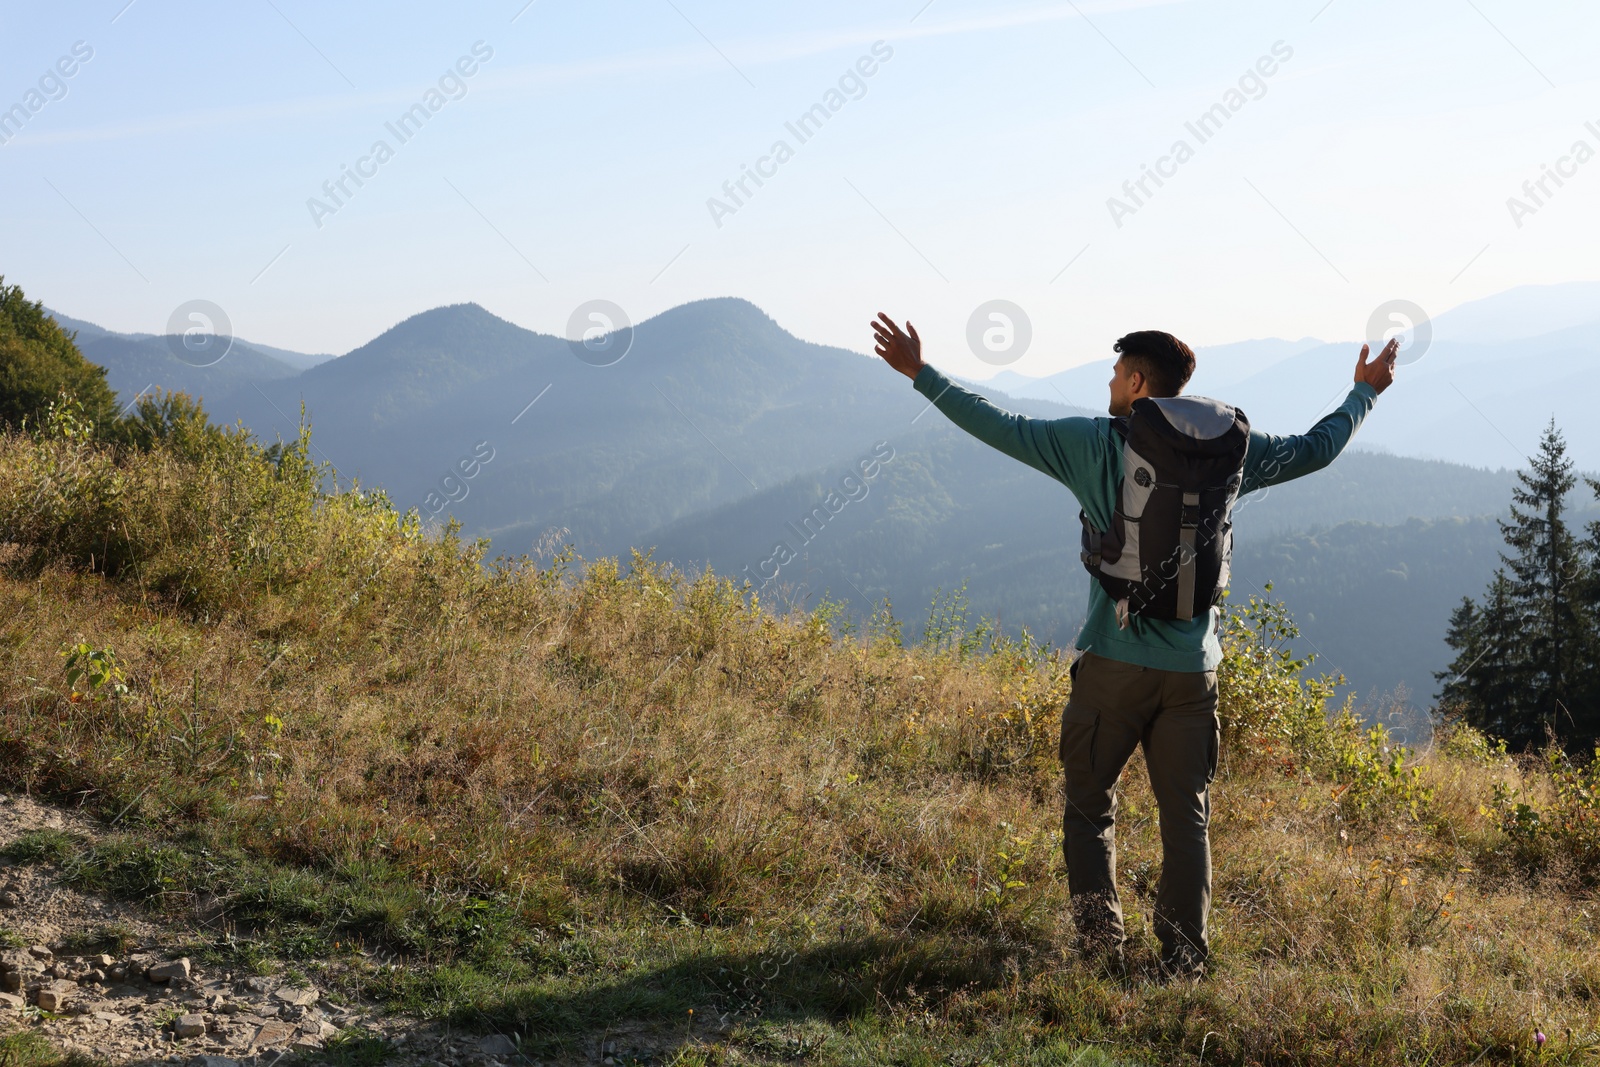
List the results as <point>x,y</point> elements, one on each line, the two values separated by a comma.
<point>1085,455</point>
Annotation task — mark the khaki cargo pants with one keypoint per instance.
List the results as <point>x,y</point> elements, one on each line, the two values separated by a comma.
<point>1113,707</point>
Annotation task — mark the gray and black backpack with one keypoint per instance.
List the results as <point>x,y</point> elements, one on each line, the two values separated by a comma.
<point>1166,555</point>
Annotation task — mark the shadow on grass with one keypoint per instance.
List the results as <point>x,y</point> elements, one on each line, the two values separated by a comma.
<point>827,982</point>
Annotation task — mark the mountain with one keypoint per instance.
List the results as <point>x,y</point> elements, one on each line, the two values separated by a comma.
<point>1497,371</point>
<point>1521,313</point>
<point>298,360</point>
<point>1478,404</point>
<point>1217,369</point>
<point>718,435</point>
<point>136,362</point>
<point>712,401</point>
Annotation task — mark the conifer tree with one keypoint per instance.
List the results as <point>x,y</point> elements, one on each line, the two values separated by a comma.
<point>1488,681</point>
<point>1520,670</point>
<point>1587,709</point>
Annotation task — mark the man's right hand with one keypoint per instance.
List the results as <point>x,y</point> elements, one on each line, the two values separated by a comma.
<point>902,352</point>
<point>1380,372</point>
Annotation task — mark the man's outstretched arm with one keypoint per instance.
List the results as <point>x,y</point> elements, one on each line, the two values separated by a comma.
<point>1062,448</point>
<point>1275,460</point>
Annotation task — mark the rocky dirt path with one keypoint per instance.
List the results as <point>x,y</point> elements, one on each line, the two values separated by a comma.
<point>147,1005</point>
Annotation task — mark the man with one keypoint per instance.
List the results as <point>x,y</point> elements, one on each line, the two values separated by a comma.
<point>1137,681</point>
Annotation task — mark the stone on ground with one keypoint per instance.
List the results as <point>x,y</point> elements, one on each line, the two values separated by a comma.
<point>497,1045</point>
<point>165,972</point>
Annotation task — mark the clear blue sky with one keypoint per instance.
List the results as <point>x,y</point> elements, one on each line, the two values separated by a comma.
<point>976,163</point>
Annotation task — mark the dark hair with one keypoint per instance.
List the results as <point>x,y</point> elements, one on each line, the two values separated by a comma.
<point>1166,362</point>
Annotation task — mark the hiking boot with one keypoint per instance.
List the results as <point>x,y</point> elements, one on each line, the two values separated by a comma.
<point>1109,962</point>
<point>1182,965</point>
<point>1104,955</point>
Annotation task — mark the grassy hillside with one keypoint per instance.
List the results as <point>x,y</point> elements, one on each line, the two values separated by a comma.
<point>1372,589</point>
<point>563,800</point>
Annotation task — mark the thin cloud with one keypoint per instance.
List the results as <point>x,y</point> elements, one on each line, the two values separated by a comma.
<point>754,52</point>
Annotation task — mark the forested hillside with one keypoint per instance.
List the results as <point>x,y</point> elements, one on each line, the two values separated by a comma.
<point>1370,584</point>
<point>719,430</point>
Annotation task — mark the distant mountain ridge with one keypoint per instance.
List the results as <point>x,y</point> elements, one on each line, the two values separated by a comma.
<point>1498,369</point>
<point>136,362</point>
<point>720,431</point>
<point>85,330</point>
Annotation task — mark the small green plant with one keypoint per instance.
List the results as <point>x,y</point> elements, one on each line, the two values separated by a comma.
<point>1568,825</point>
<point>949,627</point>
<point>1005,880</point>
<point>27,1049</point>
<point>43,846</point>
<point>113,938</point>
<point>885,632</point>
<point>1269,709</point>
<point>355,1048</point>
<point>66,420</point>
<point>93,671</point>
<point>834,617</point>
<point>1375,777</point>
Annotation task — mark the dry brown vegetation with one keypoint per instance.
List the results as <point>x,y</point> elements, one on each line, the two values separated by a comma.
<point>568,795</point>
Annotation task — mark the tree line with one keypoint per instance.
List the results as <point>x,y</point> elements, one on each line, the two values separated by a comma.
<point>1526,667</point>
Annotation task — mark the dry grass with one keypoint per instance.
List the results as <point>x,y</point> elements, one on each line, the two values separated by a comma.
<point>572,796</point>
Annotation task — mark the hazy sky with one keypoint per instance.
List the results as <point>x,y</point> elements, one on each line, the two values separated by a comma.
<point>1374,162</point>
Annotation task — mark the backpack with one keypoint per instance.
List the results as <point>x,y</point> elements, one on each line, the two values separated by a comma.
<point>1167,553</point>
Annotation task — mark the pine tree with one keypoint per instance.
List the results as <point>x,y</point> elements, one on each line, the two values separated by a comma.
<point>1489,680</point>
<point>1587,709</point>
<point>1519,671</point>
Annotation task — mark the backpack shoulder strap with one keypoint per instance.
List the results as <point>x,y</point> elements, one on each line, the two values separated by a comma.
<point>1093,538</point>
<point>1188,527</point>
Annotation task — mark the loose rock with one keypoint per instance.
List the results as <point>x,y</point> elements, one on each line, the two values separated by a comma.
<point>101,1006</point>
<point>497,1045</point>
<point>298,997</point>
<point>54,996</point>
<point>166,972</point>
<point>273,1033</point>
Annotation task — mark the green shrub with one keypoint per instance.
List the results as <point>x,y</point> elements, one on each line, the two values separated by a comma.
<point>1458,740</point>
<point>39,364</point>
<point>1562,826</point>
<point>171,420</point>
<point>1269,709</point>
<point>210,520</point>
<point>1377,779</point>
